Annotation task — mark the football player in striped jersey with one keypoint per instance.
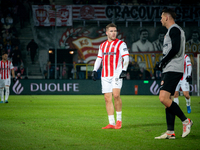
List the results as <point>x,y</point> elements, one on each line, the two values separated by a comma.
<point>114,56</point>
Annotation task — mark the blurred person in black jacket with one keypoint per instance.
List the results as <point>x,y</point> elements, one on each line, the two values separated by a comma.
<point>32,47</point>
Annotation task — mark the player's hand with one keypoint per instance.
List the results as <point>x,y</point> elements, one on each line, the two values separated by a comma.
<point>123,74</point>
<point>94,75</point>
<point>188,78</point>
<point>14,80</point>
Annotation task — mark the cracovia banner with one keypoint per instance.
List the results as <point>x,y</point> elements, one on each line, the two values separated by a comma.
<point>84,87</point>
<point>44,15</point>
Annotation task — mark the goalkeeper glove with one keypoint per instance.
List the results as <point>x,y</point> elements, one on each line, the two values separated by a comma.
<point>94,75</point>
<point>123,74</point>
<point>188,78</point>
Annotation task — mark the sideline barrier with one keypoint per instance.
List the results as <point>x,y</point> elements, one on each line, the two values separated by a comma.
<point>83,87</point>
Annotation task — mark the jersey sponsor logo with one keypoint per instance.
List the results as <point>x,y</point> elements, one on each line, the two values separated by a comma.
<point>109,53</point>
<point>17,87</point>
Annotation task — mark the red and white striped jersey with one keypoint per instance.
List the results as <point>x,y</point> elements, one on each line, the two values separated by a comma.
<point>187,63</point>
<point>111,54</point>
<point>5,68</point>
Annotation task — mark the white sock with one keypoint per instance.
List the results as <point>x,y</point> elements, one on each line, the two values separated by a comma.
<point>111,119</point>
<point>119,115</point>
<point>2,94</point>
<point>187,102</point>
<point>7,93</point>
<point>176,101</point>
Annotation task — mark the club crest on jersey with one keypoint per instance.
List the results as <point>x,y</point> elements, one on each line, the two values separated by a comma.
<point>109,53</point>
<point>162,82</point>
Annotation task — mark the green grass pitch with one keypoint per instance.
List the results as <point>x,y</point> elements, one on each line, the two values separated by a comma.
<point>74,122</point>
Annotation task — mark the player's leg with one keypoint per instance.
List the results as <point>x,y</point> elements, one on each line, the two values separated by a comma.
<point>110,111</point>
<point>166,99</point>
<point>168,85</point>
<point>186,89</point>
<point>176,94</point>
<point>117,84</point>
<point>2,85</point>
<point>2,95</point>
<point>7,89</point>
<point>118,107</point>
<point>1,91</point>
<point>107,90</point>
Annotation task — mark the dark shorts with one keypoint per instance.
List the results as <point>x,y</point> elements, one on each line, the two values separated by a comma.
<point>169,81</point>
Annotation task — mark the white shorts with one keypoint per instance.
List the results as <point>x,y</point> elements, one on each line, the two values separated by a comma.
<point>184,86</point>
<point>109,83</point>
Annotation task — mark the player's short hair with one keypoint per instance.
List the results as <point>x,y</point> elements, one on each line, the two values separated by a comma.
<point>110,25</point>
<point>170,11</point>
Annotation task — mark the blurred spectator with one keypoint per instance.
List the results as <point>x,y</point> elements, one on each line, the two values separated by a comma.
<point>28,10</point>
<point>15,41</point>
<point>21,69</point>
<point>157,73</point>
<point>16,57</point>
<point>98,74</point>
<point>133,70</point>
<point>65,71</point>
<point>47,70</point>
<point>144,74</point>
<point>79,68</point>
<point>8,48</point>
<point>6,36</point>
<point>1,42</point>
<point>9,20</point>
<point>22,14</point>
<point>32,48</point>
<point>18,76</point>
<point>117,2</point>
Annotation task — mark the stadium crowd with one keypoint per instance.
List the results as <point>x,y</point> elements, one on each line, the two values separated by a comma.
<point>11,13</point>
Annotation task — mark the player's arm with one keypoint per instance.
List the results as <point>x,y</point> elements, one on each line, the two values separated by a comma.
<point>125,55</point>
<point>13,73</point>
<point>189,69</point>
<point>175,35</point>
<point>125,62</point>
<point>97,64</point>
<point>189,66</point>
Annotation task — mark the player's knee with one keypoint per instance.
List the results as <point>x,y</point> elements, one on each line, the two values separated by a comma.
<point>116,96</point>
<point>187,96</point>
<point>162,98</point>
